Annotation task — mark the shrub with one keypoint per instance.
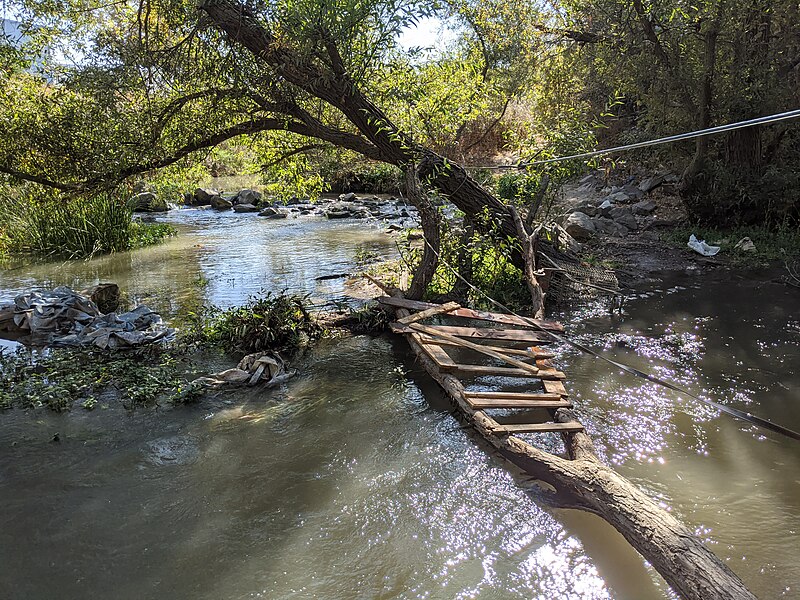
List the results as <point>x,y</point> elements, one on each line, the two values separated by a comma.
<point>267,322</point>
<point>46,223</point>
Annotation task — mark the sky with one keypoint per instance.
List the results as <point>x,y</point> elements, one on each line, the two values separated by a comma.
<point>430,32</point>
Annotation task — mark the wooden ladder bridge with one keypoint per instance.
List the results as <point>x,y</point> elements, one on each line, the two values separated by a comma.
<point>444,337</point>
<point>524,411</point>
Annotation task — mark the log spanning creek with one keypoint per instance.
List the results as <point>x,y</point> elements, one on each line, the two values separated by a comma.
<point>353,480</point>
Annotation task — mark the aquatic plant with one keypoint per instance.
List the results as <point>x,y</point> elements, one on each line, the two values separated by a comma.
<point>61,378</point>
<point>266,322</point>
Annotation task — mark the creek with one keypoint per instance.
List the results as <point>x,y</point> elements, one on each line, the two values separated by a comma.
<point>353,480</point>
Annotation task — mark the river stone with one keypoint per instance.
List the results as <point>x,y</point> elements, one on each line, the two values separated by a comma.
<point>349,197</point>
<point>203,196</point>
<point>643,208</point>
<point>585,207</point>
<point>219,203</point>
<point>244,208</point>
<point>148,202</point>
<point>579,226</point>
<point>624,216</point>
<point>251,197</point>
<point>272,213</point>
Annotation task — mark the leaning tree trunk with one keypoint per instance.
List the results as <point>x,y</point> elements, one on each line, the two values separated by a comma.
<point>583,482</point>
<point>430,232</point>
<point>333,85</point>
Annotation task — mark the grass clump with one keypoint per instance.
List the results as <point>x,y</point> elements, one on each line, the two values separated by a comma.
<point>45,223</point>
<point>771,243</point>
<point>279,322</point>
<point>63,378</point>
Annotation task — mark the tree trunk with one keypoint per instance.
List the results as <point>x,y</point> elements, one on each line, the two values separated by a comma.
<point>430,232</point>
<point>583,482</point>
<point>528,242</point>
<point>335,87</point>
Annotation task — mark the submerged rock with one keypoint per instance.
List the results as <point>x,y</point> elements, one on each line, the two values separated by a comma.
<point>251,197</point>
<point>244,208</point>
<point>272,213</point>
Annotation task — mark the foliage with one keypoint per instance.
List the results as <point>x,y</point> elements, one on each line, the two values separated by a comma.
<point>771,243</point>
<point>266,322</point>
<point>63,378</point>
<point>45,223</point>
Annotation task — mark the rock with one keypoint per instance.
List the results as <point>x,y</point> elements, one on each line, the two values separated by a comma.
<point>643,208</point>
<point>624,216</point>
<point>745,245</point>
<point>203,196</point>
<point>579,226</point>
<point>609,227</point>
<point>252,197</point>
<point>244,208</point>
<point>272,213</point>
<point>337,213</point>
<point>104,295</point>
<point>394,227</point>
<point>188,199</point>
<point>148,202</point>
<point>651,183</point>
<point>605,208</point>
<point>349,197</point>
<point>586,208</point>
<point>220,203</point>
<point>620,197</point>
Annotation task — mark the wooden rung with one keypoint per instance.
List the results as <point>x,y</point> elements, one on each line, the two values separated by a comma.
<point>431,312</point>
<point>512,395</point>
<point>538,427</point>
<point>484,370</point>
<point>469,313</point>
<point>439,356</point>
<point>538,354</point>
<point>484,403</point>
<point>482,333</point>
<point>554,386</point>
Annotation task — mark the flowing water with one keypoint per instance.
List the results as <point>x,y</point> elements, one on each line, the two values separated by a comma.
<point>353,481</point>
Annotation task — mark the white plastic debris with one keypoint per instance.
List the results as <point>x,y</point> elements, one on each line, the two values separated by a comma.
<point>745,245</point>
<point>701,247</point>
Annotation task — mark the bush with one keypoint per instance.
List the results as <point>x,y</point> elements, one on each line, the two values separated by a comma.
<point>46,223</point>
<point>268,322</point>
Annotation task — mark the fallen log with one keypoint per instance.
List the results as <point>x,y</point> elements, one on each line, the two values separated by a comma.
<point>583,482</point>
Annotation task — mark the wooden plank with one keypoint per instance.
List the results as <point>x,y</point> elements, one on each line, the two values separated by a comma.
<point>430,312</point>
<point>484,403</point>
<point>482,333</point>
<point>512,395</point>
<point>485,370</point>
<point>476,347</point>
<point>554,387</point>
<point>482,315</point>
<point>539,427</point>
<point>439,356</point>
<point>469,313</point>
<point>539,354</point>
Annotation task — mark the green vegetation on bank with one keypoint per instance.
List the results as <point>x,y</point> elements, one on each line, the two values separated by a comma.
<point>46,223</point>
<point>771,243</point>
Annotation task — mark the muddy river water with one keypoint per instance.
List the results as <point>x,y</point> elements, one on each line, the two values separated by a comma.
<point>353,481</point>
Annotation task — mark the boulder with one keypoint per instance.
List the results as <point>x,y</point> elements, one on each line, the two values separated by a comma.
<point>335,213</point>
<point>252,197</point>
<point>349,197</point>
<point>643,208</point>
<point>203,196</point>
<point>148,202</point>
<point>220,203</point>
<point>624,216</point>
<point>579,226</point>
<point>244,208</point>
